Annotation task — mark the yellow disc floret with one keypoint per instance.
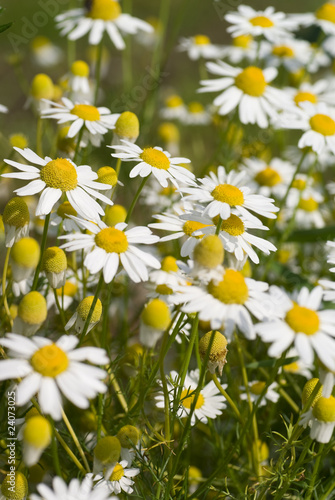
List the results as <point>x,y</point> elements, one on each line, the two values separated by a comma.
<point>195,107</point>
<point>69,289</point>
<point>66,209</point>
<point>16,213</point>
<point>26,252</point>
<point>231,290</point>
<point>268,177</point>
<point>155,158</point>
<point>187,398</point>
<point>18,141</point>
<point>112,240</point>
<point>308,204</point>
<point>40,41</point>
<point>302,96</point>
<point>84,307</point>
<point>282,51</point>
<point>80,68</point>
<point>49,361</point>
<point>54,260</point>
<point>233,225</point>
<point>227,193</point>
<point>303,320</point>
<point>262,21</point>
<point>127,126</point>
<point>37,432</point>
<point>308,390</point>
<point>169,264</point>
<point>107,10</point>
<point>128,436</point>
<point>156,314</point>
<point>42,87</point>
<point>60,174</point>
<point>190,226</point>
<point>209,252</point>
<point>33,308</point>
<point>242,41</point>
<point>86,112</point>
<point>324,409</point>
<point>326,12</point>
<point>19,490</point>
<point>323,124</point>
<point>174,101</point>
<point>168,132</point>
<point>201,40</point>
<point>108,450</point>
<point>251,81</point>
<point>117,474</point>
<point>107,175</point>
<point>114,214</point>
<point>257,388</point>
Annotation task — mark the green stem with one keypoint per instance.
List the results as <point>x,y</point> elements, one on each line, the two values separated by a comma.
<point>39,135</point>
<point>218,226</point>
<point>76,153</point>
<point>228,398</point>
<point>54,449</point>
<point>315,472</point>
<point>60,310</point>
<point>75,440</point>
<point>90,312</point>
<point>43,245</point>
<point>133,203</point>
<point>4,278</point>
<point>98,71</point>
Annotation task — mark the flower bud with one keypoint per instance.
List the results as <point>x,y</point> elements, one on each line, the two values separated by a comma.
<point>209,252</point>
<point>218,350</point>
<point>16,220</point>
<point>55,266</point>
<point>31,313</point>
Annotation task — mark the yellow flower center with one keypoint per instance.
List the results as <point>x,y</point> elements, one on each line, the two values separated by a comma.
<point>127,125</point>
<point>305,96</point>
<point>42,87</point>
<point>262,21</point>
<point>107,10</point>
<point>37,432</point>
<point>174,101</point>
<point>195,107</point>
<point>164,290</point>
<point>80,68</point>
<point>60,174</point>
<point>209,252</point>
<point>107,175</point>
<point>168,132</point>
<point>201,40</point>
<point>251,81</point>
<point>187,398</point>
<point>233,225</point>
<point>49,361</point>
<point>70,289</point>
<point>226,193</point>
<point>117,474</point>
<point>326,12</point>
<point>299,184</point>
<point>84,308</point>
<point>54,260</point>
<point>257,388</point>
<point>231,290</point>
<point>33,308</point>
<point>86,112</point>
<point>242,41</point>
<point>190,226</point>
<point>108,450</point>
<point>169,264</point>
<point>309,205</point>
<point>291,367</point>
<point>303,320</point>
<point>112,240</point>
<point>282,51</point>
<point>16,213</point>
<point>18,141</point>
<point>324,409</point>
<point>155,158</point>
<point>26,252</point>
<point>156,314</point>
<point>322,124</point>
<point>19,490</point>
<point>268,177</point>
<point>114,214</point>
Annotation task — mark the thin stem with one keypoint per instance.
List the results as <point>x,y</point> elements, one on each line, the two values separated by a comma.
<point>89,316</point>
<point>4,278</point>
<point>228,398</point>
<point>218,226</point>
<point>133,203</point>
<point>119,393</point>
<point>39,135</point>
<point>54,450</point>
<point>43,245</point>
<point>75,439</point>
<point>315,472</point>
<point>76,153</point>
<point>98,70</point>
<point>60,310</point>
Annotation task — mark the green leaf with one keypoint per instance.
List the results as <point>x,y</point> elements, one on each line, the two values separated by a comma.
<point>5,27</point>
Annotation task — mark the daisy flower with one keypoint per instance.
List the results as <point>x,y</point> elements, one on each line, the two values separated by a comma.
<point>99,17</point>
<point>297,367</point>
<point>234,234</point>
<point>243,47</point>
<point>318,60</point>
<point>97,121</point>
<point>154,161</point>
<point>248,89</point>
<point>107,246</point>
<point>49,369</point>
<point>210,402</point>
<point>196,114</point>
<point>199,47</point>
<point>256,388</point>
<point>329,290</point>
<point>321,418</point>
<point>117,478</point>
<point>78,79</point>
<point>324,17</point>
<point>331,256</point>
<point>224,193</point>
<point>308,213</point>
<point>292,54</point>
<point>228,299</point>
<point>318,123</point>
<point>54,178</point>
<point>45,53</point>
<point>80,491</point>
<point>174,108</point>
<point>302,323</point>
<point>320,91</point>
<point>248,21</point>
<point>269,178</point>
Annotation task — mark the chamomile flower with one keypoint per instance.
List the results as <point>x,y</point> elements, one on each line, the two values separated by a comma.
<point>97,121</point>
<point>302,323</point>
<point>99,17</point>
<point>107,246</point>
<point>228,299</point>
<point>154,161</point>
<point>117,478</point>
<point>79,318</point>
<point>31,314</point>
<point>269,178</point>
<point>324,17</point>
<point>14,484</point>
<point>318,123</point>
<point>308,213</point>
<point>297,367</point>
<point>16,220</point>
<point>291,53</point>
<point>255,390</point>
<point>196,114</point>
<point>199,47</point>
<point>45,52</point>
<point>248,21</point>
<point>80,491</point>
<point>225,194</point>
<point>155,319</point>
<point>49,369</point>
<point>36,435</point>
<point>54,178</point>
<point>320,91</point>
<point>79,80</point>
<point>209,404</point>
<point>331,256</point>
<point>322,419</point>
<point>24,258</point>
<point>174,108</point>
<point>248,89</point>
<point>61,216</point>
<point>243,47</point>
